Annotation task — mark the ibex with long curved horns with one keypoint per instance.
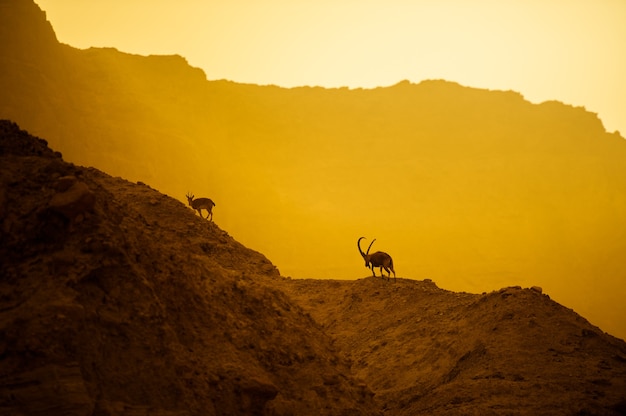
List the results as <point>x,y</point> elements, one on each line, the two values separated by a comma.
<point>378,259</point>
<point>201,203</point>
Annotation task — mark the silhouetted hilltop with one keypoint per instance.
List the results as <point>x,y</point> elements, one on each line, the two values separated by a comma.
<point>116,299</point>
<point>475,189</point>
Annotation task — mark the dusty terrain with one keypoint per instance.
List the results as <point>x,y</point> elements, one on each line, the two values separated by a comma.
<point>128,303</point>
<point>118,300</point>
<point>425,350</point>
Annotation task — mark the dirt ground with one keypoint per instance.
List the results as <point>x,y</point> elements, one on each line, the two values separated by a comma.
<point>425,350</point>
<point>118,300</point>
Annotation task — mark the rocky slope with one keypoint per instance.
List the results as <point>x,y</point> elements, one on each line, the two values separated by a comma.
<point>118,300</point>
<point>425,350</point>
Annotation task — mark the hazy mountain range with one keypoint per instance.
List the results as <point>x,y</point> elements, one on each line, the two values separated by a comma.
<point>475,189</point>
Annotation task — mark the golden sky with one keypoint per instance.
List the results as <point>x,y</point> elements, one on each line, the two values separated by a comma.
<point>573,51</point>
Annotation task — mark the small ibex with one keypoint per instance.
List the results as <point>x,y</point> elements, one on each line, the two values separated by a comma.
<point>378,259</point>
<point>201,203</point>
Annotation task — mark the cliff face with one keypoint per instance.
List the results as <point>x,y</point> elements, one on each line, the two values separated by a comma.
<point>25,42</point>
<point>476,189</point>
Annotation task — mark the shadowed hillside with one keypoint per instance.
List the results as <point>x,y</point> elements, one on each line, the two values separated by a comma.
<point>475,189</point>
<point>118,300</point>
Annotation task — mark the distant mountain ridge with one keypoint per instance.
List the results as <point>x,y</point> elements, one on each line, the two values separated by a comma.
<point>476,189</point>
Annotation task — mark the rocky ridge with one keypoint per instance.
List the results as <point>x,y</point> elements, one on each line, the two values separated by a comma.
<point>426,350</point>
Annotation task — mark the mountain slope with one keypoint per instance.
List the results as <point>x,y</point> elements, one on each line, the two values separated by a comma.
<point>424,350</point>
<point>475,189</point>
<point>116,299</point>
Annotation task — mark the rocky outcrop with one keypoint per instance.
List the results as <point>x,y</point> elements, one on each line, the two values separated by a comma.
<point>73,199</point>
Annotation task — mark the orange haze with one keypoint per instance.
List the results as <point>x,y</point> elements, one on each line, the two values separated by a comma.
<point>474,189</point>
